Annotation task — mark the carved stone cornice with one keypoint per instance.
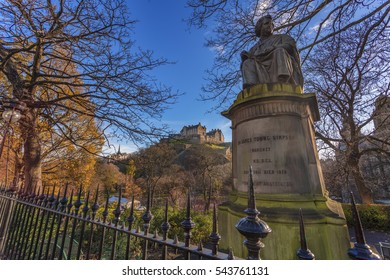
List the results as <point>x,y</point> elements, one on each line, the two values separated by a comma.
<point>270,100</point>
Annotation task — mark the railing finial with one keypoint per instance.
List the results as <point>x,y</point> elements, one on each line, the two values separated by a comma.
<point>188,224</point>
<point>214,236</point>
<point>252,227</point>
<point>361,250</point>
<point>303,253</point>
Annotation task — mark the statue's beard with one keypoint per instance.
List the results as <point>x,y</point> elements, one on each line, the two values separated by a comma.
<point>267,32</point>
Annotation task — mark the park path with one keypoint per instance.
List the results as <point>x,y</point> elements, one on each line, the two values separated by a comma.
<point>372,238</point>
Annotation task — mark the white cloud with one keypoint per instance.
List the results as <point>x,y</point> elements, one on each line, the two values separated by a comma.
<point>219,49</point>
<point>262,8</point>
<point>325,24</point>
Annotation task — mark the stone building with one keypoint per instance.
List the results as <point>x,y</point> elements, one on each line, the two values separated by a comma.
<point>382,117</point>
<point>198,134</point>
<point>118,156</point>
<point>215,136</point>
<point>376,165</point>
<point>194,133</point>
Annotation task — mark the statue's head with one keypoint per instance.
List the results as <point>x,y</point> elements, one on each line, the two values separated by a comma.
<point>266,21</point>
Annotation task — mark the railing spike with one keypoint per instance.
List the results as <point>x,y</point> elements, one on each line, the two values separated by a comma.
<point>64,199</point>
<point>175,239</point>
<point>70,204</point>
<point>77,204</point>
<point>361,250</point>
<point>253,228</point>
<point>214,236</point>
<point>200,246</point>
<point>231,254</point>
<point>105,212</point>
<point>130,219</point>
<point>165,226</point>
<point>104,220</point>
<point>251,198</point>
<point>86,205</point>
<point>188,224</point>
<point>303,253</point>
<point>57,200</point>
<point>117,212</point>
<point>95,206</point>
<point>147,216</point>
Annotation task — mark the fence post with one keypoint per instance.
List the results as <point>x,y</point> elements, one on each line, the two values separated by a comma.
<point>360,250</point>
<point>130,220</point>
<point>252,227</point>
<point>40,218</point>
<point>117,212</point>
<point>146,217</point>
<point>104,214</point>
<point>165,226</point>
<point>64,232</point>
<point>13,225</point>
<point>29,226</point>
<point>54,207</point>
<point>214,236</point>
<point>95,206</point>
<point>61,210</point>
<point>8,207</point>
<point>77,204</point>
<point>188,225</point>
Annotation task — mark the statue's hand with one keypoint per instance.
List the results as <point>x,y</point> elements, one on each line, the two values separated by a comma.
<point>268,50</point>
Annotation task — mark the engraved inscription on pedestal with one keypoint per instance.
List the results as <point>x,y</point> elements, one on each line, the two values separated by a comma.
<point>275,148</point>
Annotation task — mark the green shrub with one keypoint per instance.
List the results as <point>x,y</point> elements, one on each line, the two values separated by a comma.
<point>201,231</point>
<point>373,217</point>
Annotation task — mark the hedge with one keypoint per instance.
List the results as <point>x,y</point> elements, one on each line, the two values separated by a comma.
<point>373,216</point>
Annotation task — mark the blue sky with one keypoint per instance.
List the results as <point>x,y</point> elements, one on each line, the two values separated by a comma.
<point>162,29</point>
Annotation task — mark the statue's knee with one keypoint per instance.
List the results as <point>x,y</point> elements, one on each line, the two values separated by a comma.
<point>248,66</point>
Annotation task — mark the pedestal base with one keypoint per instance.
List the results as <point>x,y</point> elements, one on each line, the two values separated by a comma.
<point>326,230</point>
<point>273,135</point>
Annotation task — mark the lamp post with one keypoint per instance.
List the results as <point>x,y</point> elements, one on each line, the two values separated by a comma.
<point>12,113</point>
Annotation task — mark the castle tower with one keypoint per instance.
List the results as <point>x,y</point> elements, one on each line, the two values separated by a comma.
<point>197,134</point>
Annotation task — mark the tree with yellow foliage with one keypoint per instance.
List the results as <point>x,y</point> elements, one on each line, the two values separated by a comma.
<point>65,59</point>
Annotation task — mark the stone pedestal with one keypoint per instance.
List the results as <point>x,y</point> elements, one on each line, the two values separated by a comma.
<point>273,131</point>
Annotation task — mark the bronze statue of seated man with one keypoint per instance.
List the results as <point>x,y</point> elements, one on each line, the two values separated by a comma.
<point>273,59</point>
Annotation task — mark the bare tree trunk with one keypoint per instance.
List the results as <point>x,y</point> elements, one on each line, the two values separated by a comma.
<point>32,153</point>
<point>364,191</point>
<point>204,190</point>
<point>210,191</point>
<point>152,190</point>
<point>209,198</point>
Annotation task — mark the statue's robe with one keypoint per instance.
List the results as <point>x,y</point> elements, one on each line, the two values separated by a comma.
<point>272,60</point>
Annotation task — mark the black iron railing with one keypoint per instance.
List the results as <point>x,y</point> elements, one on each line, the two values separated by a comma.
<point>45,226</point>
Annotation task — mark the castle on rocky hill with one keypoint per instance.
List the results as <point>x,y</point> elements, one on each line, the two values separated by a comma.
<point>198,134</point>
